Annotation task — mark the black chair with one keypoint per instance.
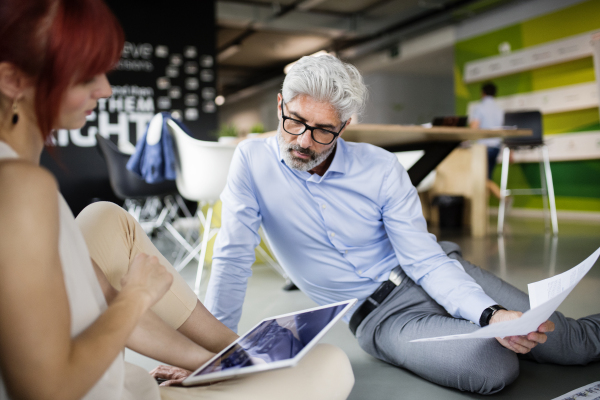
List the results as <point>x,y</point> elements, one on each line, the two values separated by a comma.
<point>125,183</point>
<point>152,205</point>
<point>527,120</point>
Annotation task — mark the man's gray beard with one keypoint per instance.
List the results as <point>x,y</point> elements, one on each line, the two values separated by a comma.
<point>297,163</point>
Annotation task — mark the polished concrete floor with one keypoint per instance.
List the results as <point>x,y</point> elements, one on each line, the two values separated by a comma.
<point>524,255</point>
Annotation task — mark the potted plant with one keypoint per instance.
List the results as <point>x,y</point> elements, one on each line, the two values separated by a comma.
<point>256,130</point>
<point>227,133</point>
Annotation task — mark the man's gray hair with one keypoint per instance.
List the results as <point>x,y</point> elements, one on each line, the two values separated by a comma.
<point>327,79</point>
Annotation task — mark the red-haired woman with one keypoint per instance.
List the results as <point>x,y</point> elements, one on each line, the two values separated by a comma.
<point>73,293</point>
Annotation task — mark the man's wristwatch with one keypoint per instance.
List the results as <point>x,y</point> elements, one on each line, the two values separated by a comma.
<point>487,314</point>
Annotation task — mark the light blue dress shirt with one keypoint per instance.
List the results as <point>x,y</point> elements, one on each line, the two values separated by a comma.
<point>337,236</point>
<point>490,116</point>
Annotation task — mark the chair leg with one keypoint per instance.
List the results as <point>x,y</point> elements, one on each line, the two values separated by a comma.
<point>206,234</point>
<point>182,206</point>
<point>550,186</point>
<point>543,180</point>
<point>181,240</point>
<point>503,191</point>
<point>502,256</point>
<point>133,208</point>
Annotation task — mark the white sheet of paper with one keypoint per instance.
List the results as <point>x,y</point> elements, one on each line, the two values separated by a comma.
<point>544,290</point>
<point>589,392</point>
<point>549,293</point>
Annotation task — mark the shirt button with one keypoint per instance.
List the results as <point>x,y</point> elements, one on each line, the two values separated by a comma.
<point>360,271</point>
<point>346,252</point>
<point>332,234</point>
<point>324,206</point>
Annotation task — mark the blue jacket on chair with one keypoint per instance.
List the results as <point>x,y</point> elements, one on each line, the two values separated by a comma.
<point>155,163</point>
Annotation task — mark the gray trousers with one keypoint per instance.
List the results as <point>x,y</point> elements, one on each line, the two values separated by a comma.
<point>479,365</point>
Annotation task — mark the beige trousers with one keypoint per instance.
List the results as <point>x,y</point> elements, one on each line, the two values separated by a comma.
<point>114,238</point>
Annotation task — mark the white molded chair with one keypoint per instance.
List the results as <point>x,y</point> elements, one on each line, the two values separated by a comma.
<point>528,120</point>
<point>202,169</point>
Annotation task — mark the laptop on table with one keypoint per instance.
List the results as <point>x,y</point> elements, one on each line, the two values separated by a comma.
<point>276,342</point>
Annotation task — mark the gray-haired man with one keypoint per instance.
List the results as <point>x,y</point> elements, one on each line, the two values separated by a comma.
<point>342,217</point>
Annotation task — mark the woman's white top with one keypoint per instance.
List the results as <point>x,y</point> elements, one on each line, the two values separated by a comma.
<point>86,302</point>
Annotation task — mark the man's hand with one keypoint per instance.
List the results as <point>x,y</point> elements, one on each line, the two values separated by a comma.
<point>521,344</point>
<point>173,375</point>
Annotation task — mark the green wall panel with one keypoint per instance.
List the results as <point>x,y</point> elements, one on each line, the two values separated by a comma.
<point>569,73</point>
<point>571,178</point>
<point>576,182</point>
<point>482,47</point>
<point>572,121</point>
<point>574,20</point>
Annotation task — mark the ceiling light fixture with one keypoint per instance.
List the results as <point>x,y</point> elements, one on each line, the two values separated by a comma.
<point>228,52</point>
<point>319,53</point>
<point>308,4</point>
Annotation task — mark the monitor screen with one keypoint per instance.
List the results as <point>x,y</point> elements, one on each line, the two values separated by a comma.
<point>453,120</point>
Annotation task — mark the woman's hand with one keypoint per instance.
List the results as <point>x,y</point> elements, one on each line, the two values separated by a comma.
<point>147,278</point>
<point>173,375</point>
<point>521,344</point>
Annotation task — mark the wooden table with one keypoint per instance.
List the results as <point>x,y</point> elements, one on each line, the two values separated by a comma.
<point>437,143</point>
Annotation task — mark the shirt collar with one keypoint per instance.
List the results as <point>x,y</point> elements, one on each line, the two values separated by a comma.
<point>339,160</point>
<point>337,165</point>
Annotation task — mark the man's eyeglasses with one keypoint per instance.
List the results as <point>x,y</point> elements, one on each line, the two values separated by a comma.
<point>319,135</point>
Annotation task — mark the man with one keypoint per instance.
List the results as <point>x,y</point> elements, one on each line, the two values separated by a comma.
<point>342,218</point>
<point>488,115</point>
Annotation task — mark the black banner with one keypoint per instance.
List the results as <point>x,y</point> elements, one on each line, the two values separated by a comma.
<point>167,64</point>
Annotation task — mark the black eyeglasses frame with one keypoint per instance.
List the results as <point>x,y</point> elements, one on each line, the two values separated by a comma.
<point>308,127</point>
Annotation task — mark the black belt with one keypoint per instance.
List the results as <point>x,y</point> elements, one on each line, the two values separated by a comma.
<point>375,299</point>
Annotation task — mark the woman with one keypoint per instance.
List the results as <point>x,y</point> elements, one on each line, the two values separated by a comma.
<point>73,294</point>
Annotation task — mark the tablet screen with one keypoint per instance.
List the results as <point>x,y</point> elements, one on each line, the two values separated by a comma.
<point>274,340</point>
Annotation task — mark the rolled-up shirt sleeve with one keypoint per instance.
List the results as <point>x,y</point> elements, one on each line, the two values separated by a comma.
<point>233,253</point>
<point>420,255</point>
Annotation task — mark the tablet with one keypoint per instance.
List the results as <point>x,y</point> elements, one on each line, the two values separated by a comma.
<point>274,343</point>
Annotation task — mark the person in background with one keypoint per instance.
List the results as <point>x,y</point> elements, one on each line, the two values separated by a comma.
<point>74,293</point>
<point>488,115</point>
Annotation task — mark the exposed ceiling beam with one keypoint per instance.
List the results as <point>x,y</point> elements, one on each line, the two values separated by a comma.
<point>433,17</point>
<point>263,16</point>
<point>306,6</point>
<point>374,6</point>
<point>393,31</point>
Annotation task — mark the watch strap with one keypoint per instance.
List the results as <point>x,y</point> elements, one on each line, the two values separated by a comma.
<point>487,314</point>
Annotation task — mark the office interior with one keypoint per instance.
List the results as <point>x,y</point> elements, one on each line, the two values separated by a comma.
<point>218,65</point>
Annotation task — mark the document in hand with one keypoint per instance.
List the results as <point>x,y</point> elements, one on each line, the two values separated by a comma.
<point>544,298</point>
<point>588,392</point>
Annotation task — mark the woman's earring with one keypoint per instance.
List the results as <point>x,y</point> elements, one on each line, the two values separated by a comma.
<point>15,117</point>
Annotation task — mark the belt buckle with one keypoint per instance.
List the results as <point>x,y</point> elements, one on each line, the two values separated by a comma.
<point>395,276</point>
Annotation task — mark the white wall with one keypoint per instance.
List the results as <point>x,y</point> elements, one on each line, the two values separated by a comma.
<point>259,108</point>
<point>394,98</point>
<point>407,99</point>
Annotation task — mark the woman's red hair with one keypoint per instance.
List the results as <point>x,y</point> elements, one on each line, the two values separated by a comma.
<point>58,43</point>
